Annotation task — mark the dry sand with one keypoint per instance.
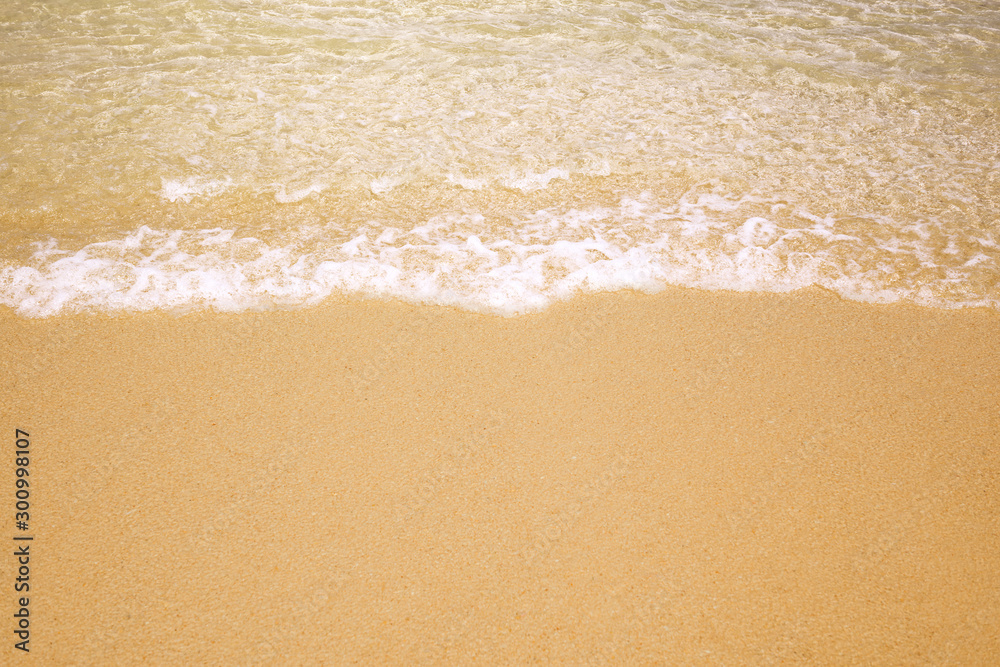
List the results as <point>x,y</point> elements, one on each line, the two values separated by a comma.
<point>682,478</point>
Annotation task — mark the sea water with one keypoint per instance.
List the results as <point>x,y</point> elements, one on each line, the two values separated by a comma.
<point>495,156</point>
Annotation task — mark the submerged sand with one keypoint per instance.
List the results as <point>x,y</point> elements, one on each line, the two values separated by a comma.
<point>682,478</point>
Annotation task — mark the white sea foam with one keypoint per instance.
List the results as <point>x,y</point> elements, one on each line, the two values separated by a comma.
<point>187,189</point>
<point>385,183</point>
<point>821,143</point>
<point>465,182</point>
<point>529,181</point>
<point>549,255</point>
<point>283,196</point>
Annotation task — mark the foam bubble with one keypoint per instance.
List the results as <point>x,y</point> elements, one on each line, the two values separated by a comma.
<point>384,184</point>
<point>283,196</point>
<point>464,182</point>
<point>707,242</point>
<point>529,181</point>
<point>189,188</point>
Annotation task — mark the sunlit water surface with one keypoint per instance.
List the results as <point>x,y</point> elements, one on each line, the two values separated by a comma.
<point>495,156</point>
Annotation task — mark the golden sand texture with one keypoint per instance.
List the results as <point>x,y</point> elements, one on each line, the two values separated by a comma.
<point>682,478</point>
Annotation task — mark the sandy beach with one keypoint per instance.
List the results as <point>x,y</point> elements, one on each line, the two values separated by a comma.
<point>500,333</point>
<point>681,478</point>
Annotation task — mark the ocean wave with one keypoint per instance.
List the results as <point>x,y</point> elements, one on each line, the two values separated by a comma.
<point>704,241</point>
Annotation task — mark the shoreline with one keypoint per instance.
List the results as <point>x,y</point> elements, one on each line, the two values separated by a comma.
<point>688,476</point>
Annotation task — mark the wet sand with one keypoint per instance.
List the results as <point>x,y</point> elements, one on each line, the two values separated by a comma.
<point>681,478</point>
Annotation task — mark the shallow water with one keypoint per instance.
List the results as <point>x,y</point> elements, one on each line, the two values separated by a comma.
<point>495,156</point>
